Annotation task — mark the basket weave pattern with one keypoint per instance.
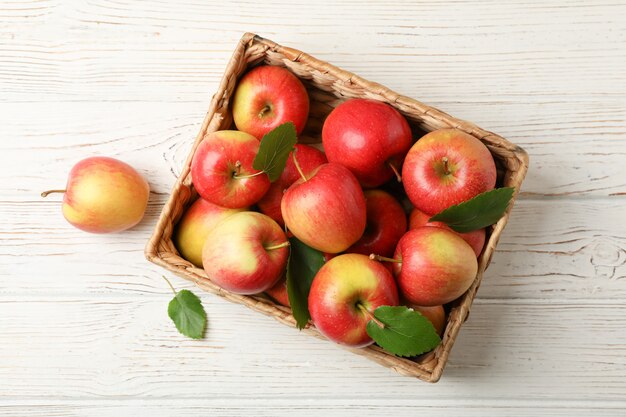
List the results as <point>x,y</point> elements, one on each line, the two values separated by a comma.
<point>328,86</point>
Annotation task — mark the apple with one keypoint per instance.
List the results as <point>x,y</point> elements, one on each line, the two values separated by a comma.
<point>279,293</point>
<point>193,228</point>
<point>222,172</point>
<point>435,314</point>
<point>268,96</point>
<point>386,223</point>
<point>246,253</point>
<point>433,266</point>
<point>103,195</point>
<point>326,208</point>
<point>309,158</point>
<point>446,167</point>
<point>344,294</point>
<point>475,238</point>
<point>368,137</point>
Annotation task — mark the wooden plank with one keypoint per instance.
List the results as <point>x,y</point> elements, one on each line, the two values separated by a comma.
<point>518,50</point>
<point>552,249</point>
<point>303,407</point>
<point>561,250</point>
<point>112,347</point>
<point>156,137</point>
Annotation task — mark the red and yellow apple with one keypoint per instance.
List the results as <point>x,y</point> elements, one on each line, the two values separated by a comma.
<point>309,158</point>
<point>475,238</point>
<point>446,167</point>
<point>222,171</point>
<point>246,253</point>
<point>433,266</point>
<point>104,195</point>
<point>386,223</point>
<point>368,137</point>
<point>269,96</point>
<point>326,209</point>
<point>195,225</point>
<point>344,294</point>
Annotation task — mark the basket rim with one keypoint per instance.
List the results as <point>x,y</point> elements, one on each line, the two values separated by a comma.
<point>516,156</point>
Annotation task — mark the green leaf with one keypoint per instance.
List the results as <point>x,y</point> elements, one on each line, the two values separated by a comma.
<point>187,313</point>
<point>274,150</point>
<point>481,211</point>
<point>405,333</point>
<point>302,266</point>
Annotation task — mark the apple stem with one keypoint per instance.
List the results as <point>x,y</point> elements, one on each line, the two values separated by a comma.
<point>298,167</point>
<point>45,193</point>
<point>170,284</point>
<point>264,110</point>
<point>280,245</point>
<point>370,315</point>
<point>446,168</point>
<point>379,258</point>
<point>395,171</point>
<point>241,177</point>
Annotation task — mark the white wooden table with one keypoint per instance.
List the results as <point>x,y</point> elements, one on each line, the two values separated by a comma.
<point>83,323</point>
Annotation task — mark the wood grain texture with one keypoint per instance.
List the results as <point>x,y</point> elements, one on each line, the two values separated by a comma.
<point>125,346</point>
<point>83,318</point>
<point>276,407</point>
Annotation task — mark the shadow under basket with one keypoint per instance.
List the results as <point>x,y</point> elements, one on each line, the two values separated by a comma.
<point>328,86</point>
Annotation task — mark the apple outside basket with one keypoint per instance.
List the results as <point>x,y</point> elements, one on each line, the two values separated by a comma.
<point>328,86</point>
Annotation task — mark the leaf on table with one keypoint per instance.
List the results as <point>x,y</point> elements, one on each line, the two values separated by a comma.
<point>481,211</point>
<point>276,145</point>
<point>405,333</point>
<point>302,266</point>
<point>187,313</point>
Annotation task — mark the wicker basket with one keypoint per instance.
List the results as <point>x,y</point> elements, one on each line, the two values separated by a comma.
<point>328,86</point>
